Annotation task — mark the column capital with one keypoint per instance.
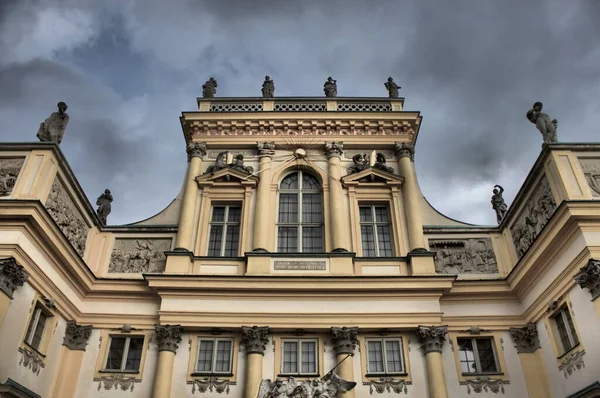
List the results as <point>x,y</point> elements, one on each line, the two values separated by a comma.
<point>255,339</point>
<point>405,149</point>
<point>265,148</point>
<point>196,150</point>
<point>432,338</point>
<point>76,336</point>
<point>589,276</point>
<point>12,276</point>
<point>334,149</point>
<point>167,337</point>
<point>526,338</point>
<point>344,339</point>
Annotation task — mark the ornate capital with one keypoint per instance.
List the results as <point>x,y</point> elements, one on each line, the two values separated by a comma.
<point>432,338</point>
<point>265,148</point>
<point>12,275</point>
<point>196,150</point>
<point>334,148</point>
<point>167,337</point>
<point>344,339</point>
<point>405,149</point>
<point>589,276</point>
<point>255,339</point>
<point>76,336</point>
<point>526,338</point>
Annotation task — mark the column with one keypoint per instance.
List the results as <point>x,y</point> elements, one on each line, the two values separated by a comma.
<point>262,210</point>
<point>344,342</point>
<point>255,340</point>
<point>195,152</point>
<point>589,277</point>
<point>532,363</point>
<point>71,359</point>
<point>338,219</point>
<point>432,341</point>
<point>12,276</point>
<point>167,338</point>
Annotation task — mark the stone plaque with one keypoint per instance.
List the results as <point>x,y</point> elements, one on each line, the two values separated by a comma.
<point>9,171</point>
<point>139,255</point>
<point>300,265</point>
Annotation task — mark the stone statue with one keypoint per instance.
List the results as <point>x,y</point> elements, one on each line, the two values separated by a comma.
<point>542,121</point>
<point>330,88</point>
<point>104,206</point>
<point>53,128</point>
<point>220,163</point>
<point>498,203</point>
<point>380,163</point>
<point>392,87</point>
<point>361,162</point>
<point>238,163</point>
<point>327,387</point>
<point>268,88</point>
<point>209,89</point>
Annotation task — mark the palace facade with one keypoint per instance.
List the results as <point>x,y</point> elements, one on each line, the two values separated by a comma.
<point>300,241</point>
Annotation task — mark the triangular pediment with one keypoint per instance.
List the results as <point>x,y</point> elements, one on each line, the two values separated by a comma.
<point>372,175</point>
<point>227,176</point>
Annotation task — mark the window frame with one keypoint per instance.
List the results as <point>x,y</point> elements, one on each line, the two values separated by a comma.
<point>30,332</point>
<point>48,331</point>
<point>106,336</point>
<point>477,357</point>
<point>564,311</point>
<point>225,224</point>
<point>300,342</point>
<point>384,341</point>
<point>213,371</point>
<point>374,224</point>
<point>124,355</point>
<point>497,337</point>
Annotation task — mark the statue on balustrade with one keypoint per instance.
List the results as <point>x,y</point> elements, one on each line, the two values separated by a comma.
<point>330,88</point>
<point>542,121</point>
<point>392,88</point>
<point>498,203</point>
<point>380,163</point>
<point>209,89</point>
<point>361,162</point>
<point>53,128</point>
<point>104,205</point>
<point>327,387</point>
<point>268,88</point>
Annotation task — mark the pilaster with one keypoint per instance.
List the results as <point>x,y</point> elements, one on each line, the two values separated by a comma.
<point>71,360</point>
<point>167,338</point>
<point>255,341</point>
<point>265,150</point>
<point>337,212</point>
<point>589,277</point>
<point>12,276</point>
<point>344,340</point>
<point>532,364</point>
<point>432,340</point>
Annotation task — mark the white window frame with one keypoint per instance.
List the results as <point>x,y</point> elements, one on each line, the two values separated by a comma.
<point>563,312</point>
<point>299,357</point>
<point>225,224</point>
<point>384,356</point>
<point>214,356</point>
<point>125,354</point>
<point>476,354</point>
<point>34,324</point>
<point>374,225</point>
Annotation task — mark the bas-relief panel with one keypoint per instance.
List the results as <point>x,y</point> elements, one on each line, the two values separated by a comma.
<point>9,171</point>
<point>591,170</point>
<point>63,211</point>
<point>466,256</point>
<point>534,216</point>
<point>139,255</point>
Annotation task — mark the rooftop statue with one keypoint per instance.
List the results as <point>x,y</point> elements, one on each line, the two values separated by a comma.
<point>498,203</point>
<point>330,88</point>
<point>209,89</point>
<point>53,128</point>
<point>542,121</point>
<point>268,88</point>
<point>380,163</point>
<point>326,387</point>
<point>392,87</point>
<point>104,205</point>
<point>361,162</point>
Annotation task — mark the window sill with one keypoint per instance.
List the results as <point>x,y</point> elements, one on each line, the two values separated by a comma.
<point>306,376</point>
<point>129,372</point>
<point>26,345</point>
<point>197,374</point>
<point>482,374</point>
<point>381,375</point>
<point>568,352</point>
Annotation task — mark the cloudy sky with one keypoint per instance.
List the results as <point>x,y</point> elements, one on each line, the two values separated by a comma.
<point>128,68</point>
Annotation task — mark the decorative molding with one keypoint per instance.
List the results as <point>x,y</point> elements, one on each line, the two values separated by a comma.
<point>432,338</point>
<point>9,171</point>
<point>265,148</point>
<point>466,256</point>
<point>139,255</point>
<point>76,336</point>
<point>591,171</point>
<point>527,338</point>
<point>344,339</point>
<point>405,149</point>
<point>255,339</point>
<point>31,360</point>
<point>196,150</point>
<point>12,276</point>
<point>363,106</point>
<point>388,384</point>
<point>168,337</point>
<point>117,380</point>
<point>483,384</point>
<point>326,387</point>
<point>334,149</point>
<point>589,277</point>
<point>473,330</point>
<point>210,384</point>
<point>572,362</point>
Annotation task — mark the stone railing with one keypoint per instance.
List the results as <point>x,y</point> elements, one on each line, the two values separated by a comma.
<point>302,104</point>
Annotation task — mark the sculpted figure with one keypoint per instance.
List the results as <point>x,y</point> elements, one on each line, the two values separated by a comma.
<point>220,163</point>
<point>238,163</point>
<point>542,121</point>
<point>209,89</point>
<point>326,387</point>
<point>498,203</point>
<point>392,88</point>
<point>104,205</point>
<point>380,163</point>
<point>53,128</point>
<point>268,87</point>
<point>330,88</point>
<point>361,162</point>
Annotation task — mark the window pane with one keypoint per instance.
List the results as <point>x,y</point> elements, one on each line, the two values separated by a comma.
<point>385,240</point>
<point>381,214</point>
<point>366,215</point>
<point>392,352</point>
<point>218,214</point>
<point>29,333</point>
<point>375,357</point>
<point>466,356</point>
<point>486,355</point>
<point>368,240</point>
<point>134,355</point>
<point>232,239</point>
<point>310,182</point>
<point>312,240</point>
<point>215,239</point>
<point>290,357</point>
<point>288,208</point>
<point>290,182</point>
<point>562,331</point>
<point>39,331</point>
<point>234,214</point>
<point>115,353</point>
<point>287,241</point>
<point>223,356</point>
<point>312,209</point>
<point>205,356</point>
<point>309,362</point>
<point>571,326</point>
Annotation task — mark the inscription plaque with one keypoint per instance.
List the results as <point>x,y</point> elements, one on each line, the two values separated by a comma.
<point>300,265</point>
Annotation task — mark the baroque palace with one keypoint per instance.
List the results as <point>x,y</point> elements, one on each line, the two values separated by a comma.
<point>300,259</point>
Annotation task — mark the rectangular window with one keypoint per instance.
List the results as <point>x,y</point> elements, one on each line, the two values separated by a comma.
<point>375,231</point>
<point>299,357</point>
<point>36,328</point>
<point>384,356</point>
<point>477,355</point>
<point>224,233</point>
<point>214,356</point>
<point>124,354</point>
<point>566,329</point>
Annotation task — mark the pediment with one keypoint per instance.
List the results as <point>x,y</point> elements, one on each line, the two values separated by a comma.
<point>372,176</point>
<point>227,176</point>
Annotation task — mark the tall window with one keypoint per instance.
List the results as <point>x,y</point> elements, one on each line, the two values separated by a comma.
<point>300,222</point>
<point>566,329</point>
<point>214,356</point>
<point>385,356</point>
<point>36,328</point>
<point>124,354</point>
<point>299,357</point>
<point>224,234</point>
<point>375,231</point>
<point>477,355</point>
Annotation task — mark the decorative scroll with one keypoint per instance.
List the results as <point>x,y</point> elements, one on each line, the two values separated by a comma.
<point>484,383</point>
<point>468,256</point>
<point>388,384</point>
<point>534,216</point>
<point>210,384</point>
<point>139,255</point>
<point>31,360</point>
<point>591,170</point>
<point>116,381</point>
<point>63,211</point>
<point>9,171</point>
<point>572,362</point>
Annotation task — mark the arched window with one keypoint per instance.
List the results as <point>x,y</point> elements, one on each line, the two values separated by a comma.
<point>300,221</point>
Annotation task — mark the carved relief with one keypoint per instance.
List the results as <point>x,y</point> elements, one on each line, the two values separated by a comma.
<point>388,384</point>
<point>572,362</point>
<point>432,338</point>
<point>326,387</point>
<point>9,171</point>
<point>139,255</point>
<point>210,384</point>
<point>344,339</point>
<point>468,256</point>
<point>484,383</point>
<point>63,211</point>
<point>255,339</point>
<point>534,216</point>
<point>31,360</point>
<point>591,170</point>
<point>116,381</point>
<point>526,338</point>
<point>588,277</point>
<point>76,336</point>
<point>12,276</point>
